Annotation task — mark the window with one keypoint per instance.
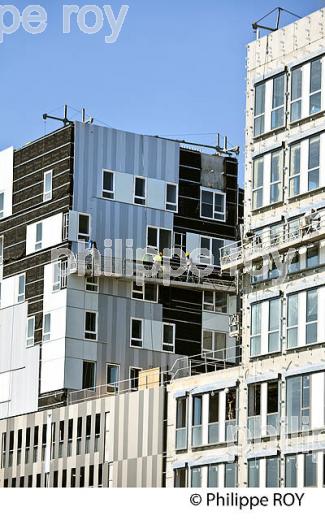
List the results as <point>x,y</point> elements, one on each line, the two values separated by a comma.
<point>1,251</point>
<point>171,197</point>
<point>112,376</point>
<point>30,329</point>
<point>159,239</point>
<point>108,184</point>
<point>258,182</point>
<point>197,420</point>
<point>213,476</point>
<point>274,325</point>
<point>265,327</point>
<point>2,202</point>
<point>278,102</point>
<point>147,292</point>
<point>56,276</point>
<point>39,236</point>
<point>313,163</point>
<point>65,227</point>
<point>254,473</point>
<point>315,86</point>
<point>47,327</point>
<point>168,340</point>
<point>311,316</point>
<point>276,177</point>
<point>213,204</point>
<point>213,426</point>
<point>196,477</point>
<point>21,288</point>
<point>312,258</point>
<point>256,329</point>
<point>47,186</point>
<point>180,477</point>
<point>214,344</point>
<point>310,470</point>
<point>181,421</point>
<point>88,375</point>
<point>83,227</point>
<point>296,94</point>
<point>295,169</point>
<point>179,243</point>
<point>139,191</point>
<point>259,110</point>
<point>298,403</point>
<point>215,302</point>
<point>272,472</point>
<point>92,284</point>
<point>292,321</point>
<point>134,377</point>
<point>210,250</point>
<point>91,325</point>
<point>231,474</point>
<point>136,333</point>
<point>291,471</point>
<point>272,408</point>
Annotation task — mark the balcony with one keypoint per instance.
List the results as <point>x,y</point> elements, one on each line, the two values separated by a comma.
<point>276,239</point>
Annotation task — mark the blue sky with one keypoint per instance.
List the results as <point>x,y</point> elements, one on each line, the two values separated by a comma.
<point>178,68</point>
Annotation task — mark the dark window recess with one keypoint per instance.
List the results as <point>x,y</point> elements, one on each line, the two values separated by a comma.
<point>55,479</point>
<point>82,477</point>
<point>273,397</point>
<point>73,477</point>
<point>231,399</point>
<point>91,476</point>
<point>88,375</point>
<point>97,424</point>
<point>22,482</point>
<point>88,425</point>
<point>38,480</point>
<point>181,412</point>
<point>64,478</point>
<point>100,475</point>
<point>214,407</point>
<point>254,400</point>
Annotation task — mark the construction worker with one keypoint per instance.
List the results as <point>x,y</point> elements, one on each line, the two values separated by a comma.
<point>189,267</point>
<point>156,268</point>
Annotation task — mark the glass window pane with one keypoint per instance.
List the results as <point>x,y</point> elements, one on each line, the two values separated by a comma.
<point>231,474</point>
<point>296,84</point>
<point>108,181</point>
<point>171,193</point>
<point>272,472</point>
<point>312,301</point>
<point>310,470</point>
<point>314,153</point>
<point>292,316</point>
<point>196,477</point>
<point>253,473</point>
<point>165,241</point>
<point>315,76</point>
<point>256,318</point>
<point>291,471</point>
<point>278,91</point>
<point>260,99</point>
<point>213,480</point>
<point>197,410</point>
<point>258,173</point>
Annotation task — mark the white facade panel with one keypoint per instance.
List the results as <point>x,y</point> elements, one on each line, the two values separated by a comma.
<point>6,179</point>
<point>51,233</point>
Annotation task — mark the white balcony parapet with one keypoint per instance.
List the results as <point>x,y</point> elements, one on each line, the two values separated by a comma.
<point>275,239</point>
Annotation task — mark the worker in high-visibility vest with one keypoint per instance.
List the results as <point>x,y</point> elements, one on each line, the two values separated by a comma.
<point>157,261</point>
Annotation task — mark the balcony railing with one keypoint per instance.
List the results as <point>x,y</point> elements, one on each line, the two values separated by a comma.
<point>273,424</point>
<point>197,435</point>
<point>181,438</point>
<point>213,433</point>
<point>254,430</point>
<point>278,238</point>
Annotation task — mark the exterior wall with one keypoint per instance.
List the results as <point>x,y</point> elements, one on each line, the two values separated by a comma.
<point>123,447</point>
<point>21,366</point>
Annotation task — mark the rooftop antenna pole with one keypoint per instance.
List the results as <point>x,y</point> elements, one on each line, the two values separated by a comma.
<point>257,26</point>
<point>63,119</point>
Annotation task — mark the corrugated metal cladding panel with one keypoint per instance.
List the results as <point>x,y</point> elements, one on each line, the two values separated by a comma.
<point>99,148</point>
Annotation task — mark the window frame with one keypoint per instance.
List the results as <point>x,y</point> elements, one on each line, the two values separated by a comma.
<point>2,210</point>
<point>142,292</point>
<point>136,198</point>
<point>139,340</point>
<point>90,332</point>
<point>152,250</point>
<point>83,237</point>
<point>213,353</point>
<point>47,194</point>
<point>213,304</point>
<point>260,115</point>
<point>21,296</point>
<point>173,326</point>
<point>94,364</point>
<point>30,340</point>
<point>281,107</point>
<point>108,194</point>
<point>167,203</point>
<point>46,336</point>
<point>94,285</point>
<point>214,192</point>
<point>210,249</point>
<point>38,243</point>
<point>131,379</point>
<point>113,386</point>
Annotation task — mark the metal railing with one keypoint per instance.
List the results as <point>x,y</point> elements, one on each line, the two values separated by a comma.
<point>281,236</point>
